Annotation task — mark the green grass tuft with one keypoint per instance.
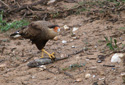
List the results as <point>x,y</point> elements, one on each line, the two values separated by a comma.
<point>5,26</point>
<point>112,44</point>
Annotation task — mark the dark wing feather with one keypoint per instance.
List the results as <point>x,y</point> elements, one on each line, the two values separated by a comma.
<point>36,29</point>
<point>37,32</point>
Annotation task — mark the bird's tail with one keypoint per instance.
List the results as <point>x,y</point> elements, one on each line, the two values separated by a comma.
<point>15,35</point>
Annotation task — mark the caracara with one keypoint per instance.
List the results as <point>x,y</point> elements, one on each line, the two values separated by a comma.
<point>39,32</point>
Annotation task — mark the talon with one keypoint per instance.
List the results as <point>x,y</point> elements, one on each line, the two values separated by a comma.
<point>52,56</point>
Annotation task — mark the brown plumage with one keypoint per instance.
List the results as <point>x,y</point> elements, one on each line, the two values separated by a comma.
<point>39,32</point>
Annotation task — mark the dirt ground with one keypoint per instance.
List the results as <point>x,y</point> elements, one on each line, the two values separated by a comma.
<point>15,54</point>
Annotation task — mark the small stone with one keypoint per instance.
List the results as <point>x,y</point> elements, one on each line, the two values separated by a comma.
<point>74,37</point>
<point>95,46</point>
<point>85,48</point>
<point>87,75</point>
<point>122,74</point>
<point>33,77</point>
<point>78,79</point>
<point>73,46</point>
<point>101,57</point>
<point>2,65</point>
<point>99,61</point>
<point>102,78</point>
<point>78,58</point>
<point>117,57</point>
<point>56,38</point>
<point>64,41</point>
<point>74,29</point>
<point>113,68</point>
<point>42,67</point>
<point>66,27</point>
<point>93,76</point>
<point>51,1</point>
<point>63,55</point>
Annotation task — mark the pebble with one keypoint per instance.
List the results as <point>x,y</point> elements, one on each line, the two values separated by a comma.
<point>113,68</point>
<point>99,61</point>
<point>87,75</point>
<point>56,38</point>
<point>85,48</point>
<point>93,76</point>
<point>73,46</point>
<point>122,74</point>
<point>63,55</point>
<point>51,1</point>
<point>42,67</point>
<point>2,65</point>
<point>102,78</point>
<point>66,27</point>
<point>117,57</point>
<point>33,77</point>
<point>74,29</point>
<point>64,41</point>
<point>78,79</point>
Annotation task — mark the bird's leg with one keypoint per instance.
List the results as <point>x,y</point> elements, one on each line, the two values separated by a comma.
<point>41,54</point>
<point>50,55</point>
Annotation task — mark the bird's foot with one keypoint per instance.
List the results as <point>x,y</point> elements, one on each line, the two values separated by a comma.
<point>52,57</point>
<point>41,57</point>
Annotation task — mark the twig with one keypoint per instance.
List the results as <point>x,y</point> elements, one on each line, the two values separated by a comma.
<point>65,73</point>
<point>68,74</point>
<point>76,52</point>
<point>50,71</point>
<point>29,9</point>
<point>25,7</point>
<point>109,65</point>
<point>5,4</point>
<point>2,51</point>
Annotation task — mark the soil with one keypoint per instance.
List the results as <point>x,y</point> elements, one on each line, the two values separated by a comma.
<point>15,54</point>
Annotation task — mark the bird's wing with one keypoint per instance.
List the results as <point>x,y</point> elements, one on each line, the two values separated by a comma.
<point>35,29</point>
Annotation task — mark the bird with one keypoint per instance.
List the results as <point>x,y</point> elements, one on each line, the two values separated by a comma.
<point>39,32</point>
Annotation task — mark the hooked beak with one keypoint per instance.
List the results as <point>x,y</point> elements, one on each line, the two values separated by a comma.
<point>58,30</point>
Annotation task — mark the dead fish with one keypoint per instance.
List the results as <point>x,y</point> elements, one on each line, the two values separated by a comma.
<point>43,61</point>
<point>38,62</point>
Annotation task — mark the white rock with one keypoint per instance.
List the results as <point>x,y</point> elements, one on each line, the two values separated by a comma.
<point>33,77</point>
<point>102,78</point>
<point>2,65</point>
<point>73,46</point>
<point>93,76</point>
<point>51,1</point>
<point>122,74</point>
<point>74,29</point>
<point>64,41</point>
<point>42,67</point>
<point>66,27</point>
<point>117,57</point>
<point>87,75</point>
<point>78,79</point>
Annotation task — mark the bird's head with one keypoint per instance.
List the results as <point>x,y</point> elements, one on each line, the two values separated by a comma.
<point>56,28</point>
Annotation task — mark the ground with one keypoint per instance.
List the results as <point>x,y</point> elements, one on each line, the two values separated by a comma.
<point>15,54</point>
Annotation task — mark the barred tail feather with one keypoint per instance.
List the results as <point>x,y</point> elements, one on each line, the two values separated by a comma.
<point>15,35</point>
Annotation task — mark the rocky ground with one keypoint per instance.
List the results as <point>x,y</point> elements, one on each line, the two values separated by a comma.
<point>86,44</point>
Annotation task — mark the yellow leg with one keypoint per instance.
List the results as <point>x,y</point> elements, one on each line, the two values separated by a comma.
<point>50,55</point>
<point>41,55</point>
